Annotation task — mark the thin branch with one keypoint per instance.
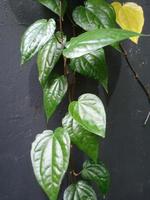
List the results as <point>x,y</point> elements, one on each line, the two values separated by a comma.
<point>71,92</point>
<point>137,77</point>
<point>61,18</point>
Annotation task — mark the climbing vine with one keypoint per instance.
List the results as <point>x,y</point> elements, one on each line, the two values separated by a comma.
<point>84,125</point>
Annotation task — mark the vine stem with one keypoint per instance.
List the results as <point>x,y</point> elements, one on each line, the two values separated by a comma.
<point>137,77</point>
<point>71,92</point>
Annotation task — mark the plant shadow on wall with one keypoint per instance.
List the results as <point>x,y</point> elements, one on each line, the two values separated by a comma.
<point>79,40</point>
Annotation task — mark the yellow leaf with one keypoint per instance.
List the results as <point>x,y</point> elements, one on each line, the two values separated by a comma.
<point>116,6</point>
<point>130,17</point>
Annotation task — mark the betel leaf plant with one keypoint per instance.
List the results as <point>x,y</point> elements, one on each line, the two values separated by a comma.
<point>84,124</point>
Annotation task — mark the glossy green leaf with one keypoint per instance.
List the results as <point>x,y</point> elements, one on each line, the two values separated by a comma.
<point>95,14</point>
<point>86,19</point>
<point>97,173</point>
<point>92,65</point>
<point>54,92</point>
<point>55,6</point>
<point>94,40</point>
<point>103,11</point>
<point>50,157</point>
<point>48,57</point>
<point>84,140</point>
<point>80,191</point>
<point>89,112</point>
<point>35,37</point>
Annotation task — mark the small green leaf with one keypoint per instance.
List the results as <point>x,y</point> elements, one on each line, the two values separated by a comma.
<point>92,65</point>
<point>89,112</point>
<point>94,40</point>
<point>50,157</point>
<point>97,173</point>
<point>35,37</point>
<point>55,6</point>
<point>86,19</point>
<point>54,92</point>
<point>84,140</point>
<point>80,191</point>
<point>48,57</point>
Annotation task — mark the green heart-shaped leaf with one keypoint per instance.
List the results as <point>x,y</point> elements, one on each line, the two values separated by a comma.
<point>92,65</point>
<point>103,11</point>
<point>35,37</point>
<point>79,191</point>
<point>97,173</point>
<point>94,40</point>
<point>50,157</point>
<point>95,14</point>
<point>48,57</point>
<point>86,19</point>
<point>84,140</point>
<point>55,6</point>
<point>54,92</point>
<point>89,112</point>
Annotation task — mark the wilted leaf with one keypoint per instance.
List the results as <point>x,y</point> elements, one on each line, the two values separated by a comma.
<point>130,17</point>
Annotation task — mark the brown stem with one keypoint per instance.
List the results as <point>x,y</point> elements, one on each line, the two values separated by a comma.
<point>137,77</point>
<point>71,92</point>
<point>61,18</point>
<point>69,14</point>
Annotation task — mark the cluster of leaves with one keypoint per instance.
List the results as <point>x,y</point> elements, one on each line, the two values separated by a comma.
<point>85,123</point>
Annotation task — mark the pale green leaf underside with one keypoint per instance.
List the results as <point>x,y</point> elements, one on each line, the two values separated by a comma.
<point>50,157</point>
<point>84,140</point>
<point>92,65</point>
<point>49,55</point>
<point>35,37</point>
<point>94,40</point>
<point>54,6</point>
<point>89,112</point>
<point>79,191</point>
<point>54,92</point>
<point>97,173</point>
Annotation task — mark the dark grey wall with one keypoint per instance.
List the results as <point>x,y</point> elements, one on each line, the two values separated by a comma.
<point>126,150</point>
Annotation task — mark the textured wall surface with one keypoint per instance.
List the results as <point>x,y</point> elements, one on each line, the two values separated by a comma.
<point>126,150</point>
